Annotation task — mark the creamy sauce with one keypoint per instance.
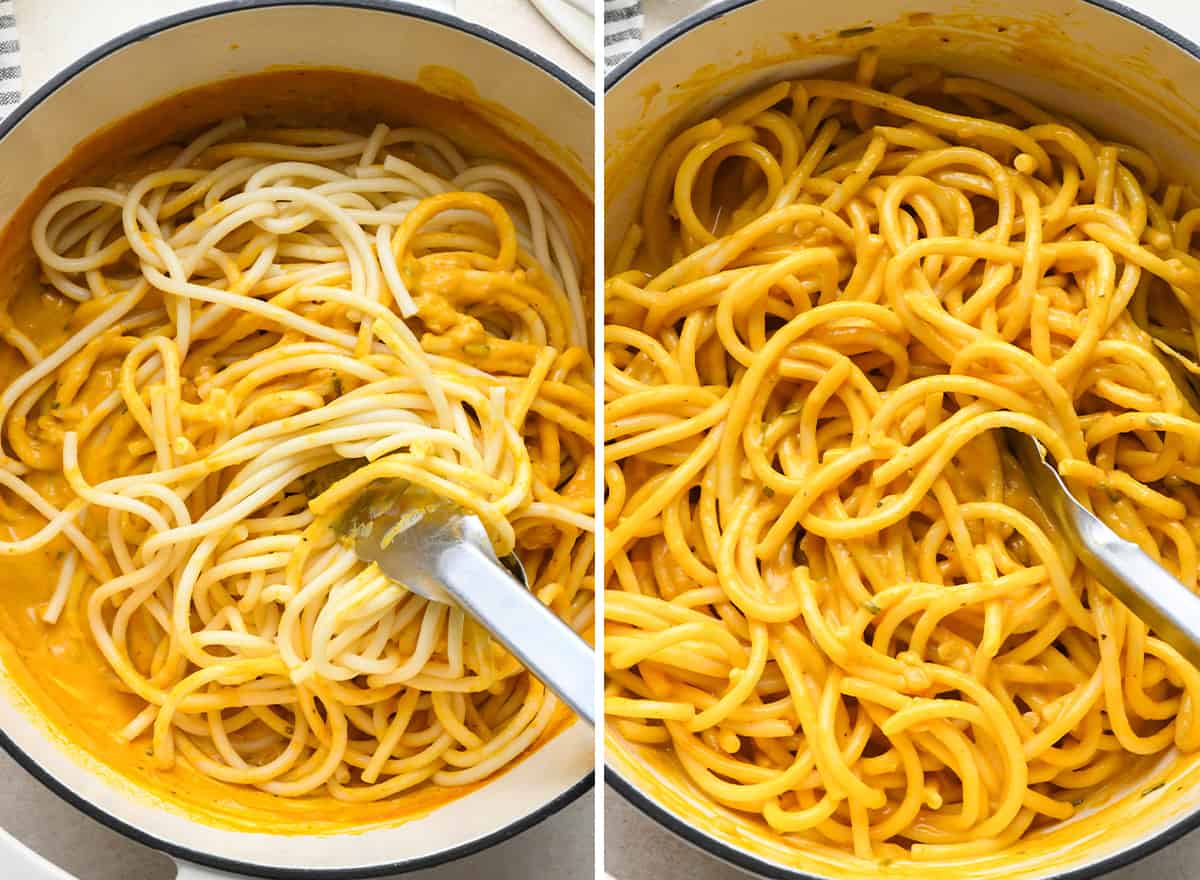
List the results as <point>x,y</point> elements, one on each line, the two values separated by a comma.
<point>1153,792</point>
<point>58,667</point>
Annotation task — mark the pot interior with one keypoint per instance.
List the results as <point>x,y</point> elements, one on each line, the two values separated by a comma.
<point>1120,78</point>
<point>527,114</point>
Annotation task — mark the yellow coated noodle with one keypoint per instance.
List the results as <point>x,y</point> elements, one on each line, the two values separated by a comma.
<point>830,596</point>
<point>241,316</point>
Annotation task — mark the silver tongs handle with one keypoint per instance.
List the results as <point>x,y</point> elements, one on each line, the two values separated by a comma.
<point>533,633</point>
<point>1125,569</point>
<point>1145,587</point>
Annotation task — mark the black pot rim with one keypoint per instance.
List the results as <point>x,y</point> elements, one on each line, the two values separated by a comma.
<point>52,782</point>
<point>693,835</point>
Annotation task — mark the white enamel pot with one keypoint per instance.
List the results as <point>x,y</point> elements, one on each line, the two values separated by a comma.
<point>1116,70</point>
<point>216,42</point>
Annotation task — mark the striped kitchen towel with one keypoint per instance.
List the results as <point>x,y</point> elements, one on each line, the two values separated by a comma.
<point>629,23</point>
<point>623,21</point>
<point>10,59</point>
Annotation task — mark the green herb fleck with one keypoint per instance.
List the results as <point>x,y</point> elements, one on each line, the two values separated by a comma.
<point>1077,802</point>
<point>872,606</point>
<point>337,384</point>
<point>768,491</point>
<point>477,349</point>
<point>1153,788</point>
<point>55,405</point>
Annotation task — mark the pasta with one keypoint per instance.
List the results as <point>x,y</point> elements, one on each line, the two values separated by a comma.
<point>259,325</point>
<point>830,595</point>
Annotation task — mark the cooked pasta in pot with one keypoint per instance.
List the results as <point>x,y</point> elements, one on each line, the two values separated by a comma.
<point>830,595</point>
<point>250,330</point>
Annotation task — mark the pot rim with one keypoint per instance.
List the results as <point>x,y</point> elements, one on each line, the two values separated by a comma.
<point>133,832</point>
<point>723,7</point>
<point>691,833</point>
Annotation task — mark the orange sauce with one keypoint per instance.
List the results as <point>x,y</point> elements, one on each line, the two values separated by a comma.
<point>58,668</point>
<point>1155,792</point>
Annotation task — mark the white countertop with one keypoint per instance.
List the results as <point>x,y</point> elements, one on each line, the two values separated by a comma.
<point>54,33</point>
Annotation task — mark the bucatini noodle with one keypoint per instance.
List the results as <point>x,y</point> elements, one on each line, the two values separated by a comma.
<point>830,595</point>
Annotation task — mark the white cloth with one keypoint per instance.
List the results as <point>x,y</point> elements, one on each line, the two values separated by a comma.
<point>10,58</point>
<point>623,23</point>
<point>629,23</point>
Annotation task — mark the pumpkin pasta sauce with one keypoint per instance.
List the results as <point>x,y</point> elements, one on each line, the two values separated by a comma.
<point>58,666</point>
<point>816,578</point>
<point>61,671</point>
